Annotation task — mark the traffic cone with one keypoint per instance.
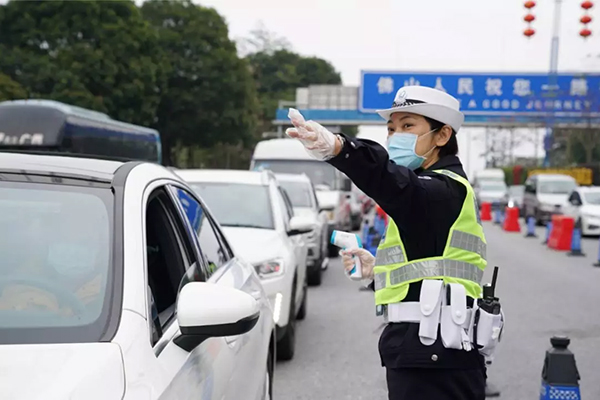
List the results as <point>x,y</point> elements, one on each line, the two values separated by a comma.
<point>576,242</point>
<point>511,222</point>
<point>548,231</point>
<point>560,377</point>
<point>531,227</point>
<point>486,211</point>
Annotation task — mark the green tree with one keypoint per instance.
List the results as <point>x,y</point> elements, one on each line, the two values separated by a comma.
<point>10,90</point>
<point>278,71</point>
<point>99,55</point>
<point>210,95</point>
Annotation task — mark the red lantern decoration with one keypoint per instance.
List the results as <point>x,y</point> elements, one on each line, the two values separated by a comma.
<point>586,19</point>
<point>587,5</point>
<point>585,33</point>
<point>529,18</point>
<point>529,32</point>
<point>529,4</point>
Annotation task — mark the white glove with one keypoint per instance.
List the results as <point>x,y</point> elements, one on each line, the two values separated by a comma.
<point>366,259</point>
<point>318,141</point>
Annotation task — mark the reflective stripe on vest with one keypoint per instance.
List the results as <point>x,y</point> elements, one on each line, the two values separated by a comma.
<point>459,240</point>
<point>463,259</point>
<point>430,269</point>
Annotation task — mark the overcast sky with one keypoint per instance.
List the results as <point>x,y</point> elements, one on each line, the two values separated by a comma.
<point>422,35</point>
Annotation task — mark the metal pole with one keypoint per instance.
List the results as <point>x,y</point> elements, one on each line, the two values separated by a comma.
<point>553,79</point>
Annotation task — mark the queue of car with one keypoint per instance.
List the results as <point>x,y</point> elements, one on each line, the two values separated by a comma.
<point>129,280</point>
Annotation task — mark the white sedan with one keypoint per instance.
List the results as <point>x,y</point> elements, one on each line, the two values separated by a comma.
<point>118,284</point>
<point>584,207</point>
<point>258,219</point>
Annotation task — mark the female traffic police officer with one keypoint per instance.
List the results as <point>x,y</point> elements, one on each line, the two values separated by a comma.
<point>434,233</point>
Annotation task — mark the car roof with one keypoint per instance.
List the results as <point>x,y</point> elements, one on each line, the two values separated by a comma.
<point>293,178</point>
<point>83,167</point>
<point>281,149</point>
<point>226,176</point>
<point>547,177</point>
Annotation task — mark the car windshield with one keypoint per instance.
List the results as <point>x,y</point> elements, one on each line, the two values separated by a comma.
<point>299,193</point>
<point>55,243</point>
<point>592,197</point>
<point>238,204</point>
<point>557,187</point>
<point>320,173</point>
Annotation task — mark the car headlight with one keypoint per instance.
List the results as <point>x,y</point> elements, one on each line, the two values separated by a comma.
<point>590,216</point>
<point>269,269</point>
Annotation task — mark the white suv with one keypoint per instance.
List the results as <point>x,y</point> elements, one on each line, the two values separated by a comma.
<point>116,283</point>
<point>258,219</point>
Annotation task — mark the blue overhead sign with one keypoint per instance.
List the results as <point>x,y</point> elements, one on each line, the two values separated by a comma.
<point>493,94</point>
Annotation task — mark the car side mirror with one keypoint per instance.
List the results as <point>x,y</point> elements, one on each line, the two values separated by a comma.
<point>300,225</point>
<point>206,310</point>
<point>346,185</point>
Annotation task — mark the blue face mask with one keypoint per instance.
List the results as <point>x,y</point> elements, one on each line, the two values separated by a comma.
<point>401,148</point>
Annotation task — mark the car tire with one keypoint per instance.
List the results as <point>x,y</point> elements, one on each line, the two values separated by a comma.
<point>269,375</point>
<point>286,346</point>
<point>315,276</point>
<point>333,251</point>
<point>302,311</point>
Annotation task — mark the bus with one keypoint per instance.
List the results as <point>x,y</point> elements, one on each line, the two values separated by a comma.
<point>51,126</point>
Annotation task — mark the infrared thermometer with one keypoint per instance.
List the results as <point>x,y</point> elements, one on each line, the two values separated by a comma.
<point>348,241</point>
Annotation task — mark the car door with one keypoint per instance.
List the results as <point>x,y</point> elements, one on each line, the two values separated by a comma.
<point>323,226</point>
<point>296,241</point>
<point>246,372</point>
<point>171,262</point>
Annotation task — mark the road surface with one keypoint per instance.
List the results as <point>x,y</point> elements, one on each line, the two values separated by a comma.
<point>543,292</point>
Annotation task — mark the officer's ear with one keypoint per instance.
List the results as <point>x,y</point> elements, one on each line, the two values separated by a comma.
<point>443,136</point>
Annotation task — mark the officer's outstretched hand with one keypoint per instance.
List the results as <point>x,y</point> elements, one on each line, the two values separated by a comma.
<point>366,259</point>
<point>318,141</point>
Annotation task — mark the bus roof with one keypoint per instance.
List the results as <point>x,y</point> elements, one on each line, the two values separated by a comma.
<point>281,149</point>
<point>74,113</point>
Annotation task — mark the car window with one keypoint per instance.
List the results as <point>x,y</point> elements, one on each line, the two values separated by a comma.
<point>170,262</point>
<point>287,204</point>
<point>56,269</point>
<point>237,204</point>
<point>592,197</point>
<point>556,187</point>
<point>299,193</point>
<point>215,252</point>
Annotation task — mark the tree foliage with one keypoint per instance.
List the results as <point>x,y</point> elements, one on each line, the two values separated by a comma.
<point>210,96</point>
<point>167,64</point>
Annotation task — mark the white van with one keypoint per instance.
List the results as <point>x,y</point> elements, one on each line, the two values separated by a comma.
<point>288,156</point>
<point>546,195</point>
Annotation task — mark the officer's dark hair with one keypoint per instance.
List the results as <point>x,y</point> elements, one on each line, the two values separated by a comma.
<point>451,146</point>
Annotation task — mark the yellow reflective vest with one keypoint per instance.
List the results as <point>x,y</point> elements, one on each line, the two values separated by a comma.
<point>463,260</point>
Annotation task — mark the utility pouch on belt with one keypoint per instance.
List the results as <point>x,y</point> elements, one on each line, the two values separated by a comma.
<point>430,302</point>
<point>487,331</point>
<point>455,318</point>
<point>488,320</point>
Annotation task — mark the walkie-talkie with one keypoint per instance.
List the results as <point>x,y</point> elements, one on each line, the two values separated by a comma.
<point>489,302</point>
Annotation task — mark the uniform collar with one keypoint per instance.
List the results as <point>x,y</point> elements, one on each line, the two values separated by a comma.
<point>451,163</point>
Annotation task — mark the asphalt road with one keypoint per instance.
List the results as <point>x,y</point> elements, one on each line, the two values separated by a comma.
<point>543,292</point>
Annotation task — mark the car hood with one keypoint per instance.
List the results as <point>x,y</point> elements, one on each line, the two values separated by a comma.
<point>328,198</point>
<point>61,371</point>
<point>255,245</point>
<point>553,199</point>
<point>591,209</point>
